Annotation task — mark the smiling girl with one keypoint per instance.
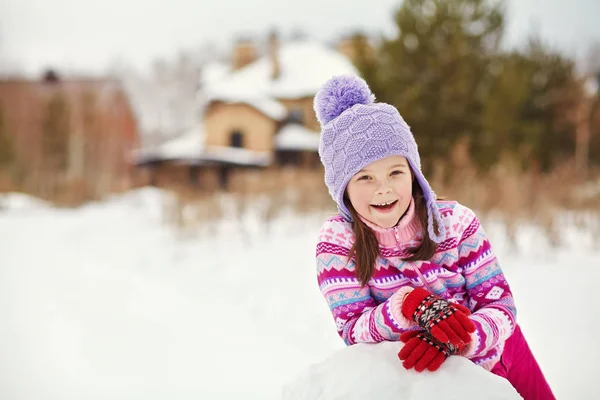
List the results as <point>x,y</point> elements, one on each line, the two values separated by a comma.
<point>398,264</point>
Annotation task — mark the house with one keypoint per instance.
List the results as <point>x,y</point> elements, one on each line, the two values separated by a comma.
<point>64,132</point>
<point>258,113</point>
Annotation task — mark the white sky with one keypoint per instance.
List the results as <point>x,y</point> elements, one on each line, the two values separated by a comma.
<point>90,35</point>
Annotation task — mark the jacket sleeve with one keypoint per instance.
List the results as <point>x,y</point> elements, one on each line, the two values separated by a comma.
<point>489,295</point>
<point>358,318</point>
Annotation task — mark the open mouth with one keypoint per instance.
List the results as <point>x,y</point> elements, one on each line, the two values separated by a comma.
<point>384,206</point>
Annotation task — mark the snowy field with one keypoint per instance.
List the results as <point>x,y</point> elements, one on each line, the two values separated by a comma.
<point>107,302</point>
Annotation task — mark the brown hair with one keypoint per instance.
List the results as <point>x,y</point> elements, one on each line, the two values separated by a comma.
<point>365,249</point>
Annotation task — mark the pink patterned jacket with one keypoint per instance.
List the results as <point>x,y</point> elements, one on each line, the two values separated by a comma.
<point>464,270</point>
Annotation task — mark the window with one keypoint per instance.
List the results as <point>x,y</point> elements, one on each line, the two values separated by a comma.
<point>236,139</point>
<point>296,115</point>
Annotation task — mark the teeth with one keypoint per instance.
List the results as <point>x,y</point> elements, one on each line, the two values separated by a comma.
<point>384,204</point>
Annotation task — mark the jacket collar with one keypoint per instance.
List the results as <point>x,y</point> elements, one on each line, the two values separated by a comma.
<point>403,232</point>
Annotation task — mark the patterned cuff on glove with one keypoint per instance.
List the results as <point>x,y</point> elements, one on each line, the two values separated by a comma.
<point>432,311</point>
<point>446,348</point>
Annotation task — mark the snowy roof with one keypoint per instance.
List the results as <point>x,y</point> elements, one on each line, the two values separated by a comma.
<point>297,137</point>
<point>188,145</point>
<point>271,108</point>
<point>237,156</point>
<point>305,65</point>
<point>213,72</point>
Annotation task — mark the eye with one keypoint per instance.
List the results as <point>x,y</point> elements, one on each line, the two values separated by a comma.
<point>397,172</point>
<point>364,178</point>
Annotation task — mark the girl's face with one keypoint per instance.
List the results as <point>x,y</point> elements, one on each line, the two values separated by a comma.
<point>382,191</point>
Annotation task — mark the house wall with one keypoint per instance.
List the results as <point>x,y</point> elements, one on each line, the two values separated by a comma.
<point>102,131</point>
<point>221,120</point>
<point>306,105</point>
<point>21,116</point>
<point>177,176</point>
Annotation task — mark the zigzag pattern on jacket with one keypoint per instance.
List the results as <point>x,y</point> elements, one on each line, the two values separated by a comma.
<point>464,270</point>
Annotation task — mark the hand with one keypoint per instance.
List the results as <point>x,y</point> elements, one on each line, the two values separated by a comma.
<point>447,322</point>
<point>423,351</point>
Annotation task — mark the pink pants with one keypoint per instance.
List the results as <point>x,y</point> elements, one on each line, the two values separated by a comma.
<point>519,367</point>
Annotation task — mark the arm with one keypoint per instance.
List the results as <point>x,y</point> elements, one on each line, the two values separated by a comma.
<point>490,298</point>
<point>357,316</point>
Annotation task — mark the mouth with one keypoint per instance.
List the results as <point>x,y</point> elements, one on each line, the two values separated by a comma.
<point>384,207</point>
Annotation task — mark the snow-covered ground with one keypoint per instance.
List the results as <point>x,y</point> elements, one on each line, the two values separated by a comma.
<point>372,371</point>
<point>108,302</point>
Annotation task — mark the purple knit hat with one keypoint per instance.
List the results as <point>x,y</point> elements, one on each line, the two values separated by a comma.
<point>357,131</point>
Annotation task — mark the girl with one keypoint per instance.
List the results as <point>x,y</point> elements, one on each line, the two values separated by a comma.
<point>397,264</point>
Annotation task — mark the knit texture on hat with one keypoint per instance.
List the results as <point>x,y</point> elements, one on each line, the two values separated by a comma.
<point>357,131</point>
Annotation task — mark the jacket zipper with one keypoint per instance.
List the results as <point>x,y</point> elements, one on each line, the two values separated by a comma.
<point>411,263</point>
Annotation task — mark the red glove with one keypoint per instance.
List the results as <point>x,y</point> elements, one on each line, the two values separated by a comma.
<point>423,351</point>
<point>447,322</point>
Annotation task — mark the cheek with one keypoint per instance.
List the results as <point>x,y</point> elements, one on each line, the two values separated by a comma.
<point>404,187</point>
<point>360,197</point>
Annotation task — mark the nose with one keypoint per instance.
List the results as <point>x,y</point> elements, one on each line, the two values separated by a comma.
<point>384,188</point>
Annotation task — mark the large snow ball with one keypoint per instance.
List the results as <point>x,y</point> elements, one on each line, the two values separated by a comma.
<point>373,371</point>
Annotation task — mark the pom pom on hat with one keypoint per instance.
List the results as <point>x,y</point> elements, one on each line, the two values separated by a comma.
<point>339,94</point>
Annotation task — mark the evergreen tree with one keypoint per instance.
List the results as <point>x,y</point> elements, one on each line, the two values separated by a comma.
<point>530,110</point>
<point>435,71</point>
<point>446,74</point>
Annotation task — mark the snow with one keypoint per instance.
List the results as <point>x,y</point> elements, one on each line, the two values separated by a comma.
<point>239,156</point>
<point>387,379</point>
<point>265,105</point>
<point>188,146</point>
<point>21,202</point>
<point>297,137</point>
<point>271,108</point>
<point>213,72</point>
<point>305,66</point>
<point>107,301</point>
